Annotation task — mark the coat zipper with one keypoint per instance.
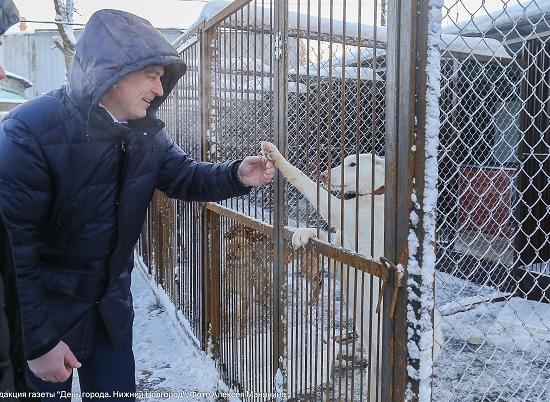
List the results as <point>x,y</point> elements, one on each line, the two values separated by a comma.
<point>121,167</point>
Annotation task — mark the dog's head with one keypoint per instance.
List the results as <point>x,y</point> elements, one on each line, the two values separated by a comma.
<point>244,245</point>
<point>352,166</point>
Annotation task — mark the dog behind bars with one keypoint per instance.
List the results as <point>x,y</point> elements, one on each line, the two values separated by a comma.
<point>248,274</point>
<point>362,231</point>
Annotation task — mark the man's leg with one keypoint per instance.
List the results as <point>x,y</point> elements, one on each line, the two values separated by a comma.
<point>55,390</point>
<point>109,370</point>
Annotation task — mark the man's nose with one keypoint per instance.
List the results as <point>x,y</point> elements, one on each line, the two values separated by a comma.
<point>157,89</point>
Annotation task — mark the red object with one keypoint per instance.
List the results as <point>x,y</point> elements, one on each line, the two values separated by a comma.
<point>485,201</point>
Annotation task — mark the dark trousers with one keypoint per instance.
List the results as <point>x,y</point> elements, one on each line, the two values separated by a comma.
<point>108,370</point>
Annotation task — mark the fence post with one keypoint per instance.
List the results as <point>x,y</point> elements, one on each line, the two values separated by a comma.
<point>210,302</point>
<point>280,80</point>
<point>407,51</point>
<point>212,285</point>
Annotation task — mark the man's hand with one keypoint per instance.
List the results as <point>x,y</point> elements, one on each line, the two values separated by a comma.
<point>255,171</point>
<point>56,365</point>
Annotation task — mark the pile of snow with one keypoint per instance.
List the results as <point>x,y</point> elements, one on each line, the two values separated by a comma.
<point>167,358</point>
<point>528,317</point>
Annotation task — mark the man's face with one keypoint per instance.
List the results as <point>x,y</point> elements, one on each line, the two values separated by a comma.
<point>132,95</point>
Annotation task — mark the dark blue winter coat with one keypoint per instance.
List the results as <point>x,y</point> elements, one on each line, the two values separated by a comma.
<point>75,201</point>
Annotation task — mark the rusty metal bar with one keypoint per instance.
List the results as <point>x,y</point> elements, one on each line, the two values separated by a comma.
<point>339,254</point>
<point>399,73</point>
<point>417,137</point>
<point>205,105</point>
<point>212,321</point>
<point>280,94</point>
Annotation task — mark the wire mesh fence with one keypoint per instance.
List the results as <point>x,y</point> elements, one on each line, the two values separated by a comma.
<point>315,78</point>
<point>493,226</point>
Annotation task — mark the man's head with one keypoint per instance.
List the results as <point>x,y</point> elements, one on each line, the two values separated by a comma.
<point>130,97</point>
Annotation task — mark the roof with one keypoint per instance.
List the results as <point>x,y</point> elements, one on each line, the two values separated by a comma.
<point>532,14</point>
<point>324,27</point>
<point>26,83</point>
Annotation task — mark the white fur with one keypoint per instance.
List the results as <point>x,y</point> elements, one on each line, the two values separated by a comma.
<point>351,225</point>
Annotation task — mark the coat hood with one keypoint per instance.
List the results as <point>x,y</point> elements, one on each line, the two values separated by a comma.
<point>9,15</point>
<point>114,44</point>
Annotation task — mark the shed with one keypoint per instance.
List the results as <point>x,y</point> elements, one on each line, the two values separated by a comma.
<point>12,91</point>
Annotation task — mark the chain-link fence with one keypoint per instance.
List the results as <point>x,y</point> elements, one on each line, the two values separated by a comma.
<point>493,246</point>
<point>343,96</point>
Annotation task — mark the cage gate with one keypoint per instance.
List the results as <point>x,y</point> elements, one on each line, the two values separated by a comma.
<point>315,86</point>
<point>356,83</point>
<point>327,355</point>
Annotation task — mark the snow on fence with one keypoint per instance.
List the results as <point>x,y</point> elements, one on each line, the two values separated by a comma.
<point>459,113</point>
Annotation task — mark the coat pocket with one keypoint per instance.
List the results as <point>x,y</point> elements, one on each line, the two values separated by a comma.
<point>57,229</point>
<point>80,334</point>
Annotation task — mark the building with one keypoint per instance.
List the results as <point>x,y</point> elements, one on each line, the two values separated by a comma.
<point>12,92</point>
<point>32,54</point>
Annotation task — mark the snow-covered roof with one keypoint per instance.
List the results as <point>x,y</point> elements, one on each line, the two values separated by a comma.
<point>11,101</point>
<point>252,17</point>
<point>26,83</point>
<point>247,64</point>
<point>475,46</point>
<point>508,16</point>
<point>365,73</point>
<point>209,10</point>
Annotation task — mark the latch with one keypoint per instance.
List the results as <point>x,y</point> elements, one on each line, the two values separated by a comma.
<point>398,281</point>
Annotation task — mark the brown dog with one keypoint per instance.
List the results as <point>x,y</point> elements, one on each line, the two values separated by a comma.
<point>248,270</point>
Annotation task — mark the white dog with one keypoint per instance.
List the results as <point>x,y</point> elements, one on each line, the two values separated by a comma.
<point>369,227</point>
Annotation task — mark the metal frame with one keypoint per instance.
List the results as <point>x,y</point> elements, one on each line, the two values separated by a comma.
<point>401,167</point>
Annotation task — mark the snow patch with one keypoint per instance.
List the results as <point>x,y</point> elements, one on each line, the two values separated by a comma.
<point>167,357</point>
<point>527,318</point>
<point>421,328</point>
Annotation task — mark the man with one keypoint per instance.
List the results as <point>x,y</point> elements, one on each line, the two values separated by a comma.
<point>78,168</point>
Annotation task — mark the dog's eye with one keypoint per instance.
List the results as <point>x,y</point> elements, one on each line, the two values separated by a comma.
<point>353,164</point>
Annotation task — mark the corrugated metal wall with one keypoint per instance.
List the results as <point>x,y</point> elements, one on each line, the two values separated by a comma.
<point>33,56</point>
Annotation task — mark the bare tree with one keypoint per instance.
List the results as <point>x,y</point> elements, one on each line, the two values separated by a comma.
<point>66,43</point>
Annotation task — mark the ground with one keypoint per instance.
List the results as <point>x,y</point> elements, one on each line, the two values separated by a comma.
<point>166,359</point>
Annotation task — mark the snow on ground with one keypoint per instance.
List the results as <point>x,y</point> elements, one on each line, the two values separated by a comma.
<point>495,351</point>
<point>166,359</point>
<point>487,356</point>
